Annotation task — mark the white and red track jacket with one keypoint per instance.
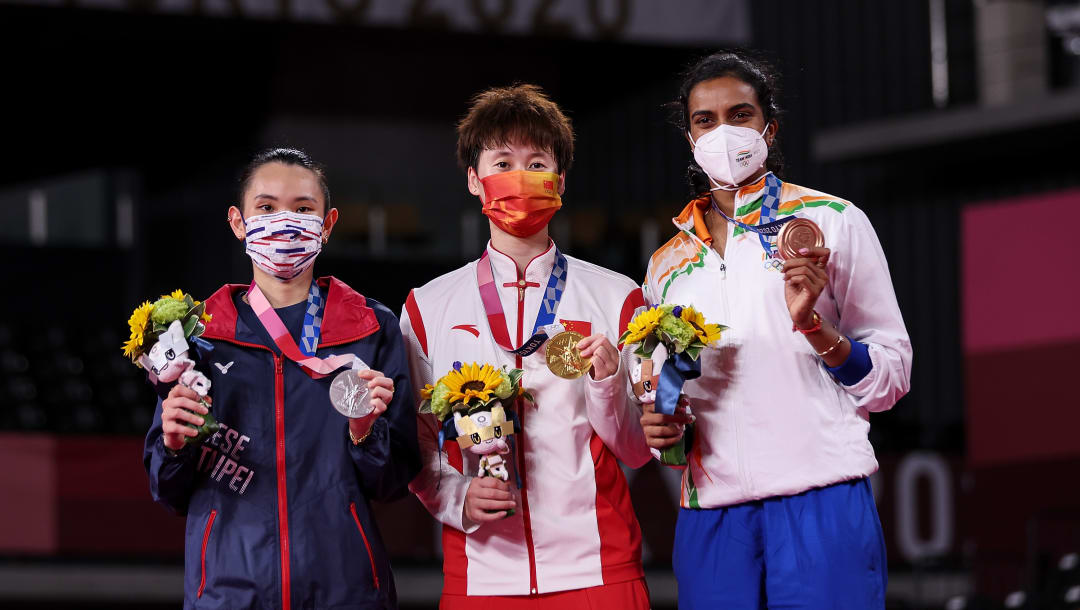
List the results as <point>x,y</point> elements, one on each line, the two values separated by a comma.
<point>575,526</point>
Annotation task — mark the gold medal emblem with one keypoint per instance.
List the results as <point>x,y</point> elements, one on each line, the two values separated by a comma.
<point>563,357</point>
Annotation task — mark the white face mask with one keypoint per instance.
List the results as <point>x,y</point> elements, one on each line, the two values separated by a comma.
<point>730,154</point>
<point>283,244</point>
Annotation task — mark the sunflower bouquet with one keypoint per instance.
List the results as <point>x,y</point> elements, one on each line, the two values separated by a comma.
<point>474,405</point>
<point>682,330</point>
<point>149,320</point>
<point>668,340</point>
<point>163,333</point>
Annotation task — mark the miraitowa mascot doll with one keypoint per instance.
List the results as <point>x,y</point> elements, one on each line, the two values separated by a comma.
<point>160,333</point>
<point>475,405</point>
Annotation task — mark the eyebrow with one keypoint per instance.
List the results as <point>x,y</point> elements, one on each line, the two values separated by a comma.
<point>265,196</point>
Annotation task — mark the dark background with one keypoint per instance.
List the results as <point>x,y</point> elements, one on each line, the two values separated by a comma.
<point>162,110</point>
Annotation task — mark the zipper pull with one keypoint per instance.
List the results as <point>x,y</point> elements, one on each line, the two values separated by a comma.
<point>521,291</point>
<point>277,365</point>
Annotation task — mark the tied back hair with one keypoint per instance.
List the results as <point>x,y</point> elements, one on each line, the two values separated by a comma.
<point>750,69</point>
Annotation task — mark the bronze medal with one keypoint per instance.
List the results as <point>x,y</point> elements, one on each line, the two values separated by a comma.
<point>563,357</point>
<point>796,235</point>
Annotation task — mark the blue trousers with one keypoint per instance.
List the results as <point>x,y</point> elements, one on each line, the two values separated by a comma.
<point>820,549</point>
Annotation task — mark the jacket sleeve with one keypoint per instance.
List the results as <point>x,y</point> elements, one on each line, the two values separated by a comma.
<point>868,313</point>
<point>612,414</point>
<point>172,475</point>
<point>439,486</point>
<point>389,458</point>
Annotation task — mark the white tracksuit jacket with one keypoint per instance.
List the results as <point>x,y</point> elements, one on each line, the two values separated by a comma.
<point>575,525</point>
<point>771,419</point>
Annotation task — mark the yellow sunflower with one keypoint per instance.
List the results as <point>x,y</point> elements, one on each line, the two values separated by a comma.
<point>643,324</point>
<point>176,294</point>
<point>472,381</point>
<point>706,333</point>
<point>138,322</point>
<point>205,317</point>
<point>425,393</point>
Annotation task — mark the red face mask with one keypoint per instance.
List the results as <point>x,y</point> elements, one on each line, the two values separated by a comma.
<point>521,202</point>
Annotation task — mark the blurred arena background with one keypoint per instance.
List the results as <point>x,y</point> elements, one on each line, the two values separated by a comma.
<point>954,123</point>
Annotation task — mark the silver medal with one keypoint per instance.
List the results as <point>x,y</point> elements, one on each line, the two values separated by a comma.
<point>350,394</point>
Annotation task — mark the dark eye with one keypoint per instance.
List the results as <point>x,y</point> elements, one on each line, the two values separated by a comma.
<point>537,165</point>
<point>266,207</point>
<point>170,354</point>
<point>498,431</point>
<point>502,164</point>
<point>475,436</point>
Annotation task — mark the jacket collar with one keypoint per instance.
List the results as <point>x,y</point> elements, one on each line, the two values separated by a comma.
<point>692,217</point>
<point>537,271</point>
<point>346,316</point>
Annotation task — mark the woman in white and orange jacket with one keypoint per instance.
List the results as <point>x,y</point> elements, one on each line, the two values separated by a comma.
<point>776,508</point>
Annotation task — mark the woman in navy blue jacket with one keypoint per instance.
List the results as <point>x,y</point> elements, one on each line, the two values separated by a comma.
<point>277,499</point>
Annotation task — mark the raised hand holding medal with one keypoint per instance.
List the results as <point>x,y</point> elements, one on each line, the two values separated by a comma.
<point>356,393</point>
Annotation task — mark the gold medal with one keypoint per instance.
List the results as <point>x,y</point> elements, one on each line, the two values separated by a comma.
<point>563,357</point>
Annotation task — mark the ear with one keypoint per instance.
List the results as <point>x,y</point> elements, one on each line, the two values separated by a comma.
<point>686,134</point>
<point>236,222</point>
<point>176,331</point>
<point>770,133</point>
<point>474,184</point>
<point>562,183</point>
<point>328,224</point>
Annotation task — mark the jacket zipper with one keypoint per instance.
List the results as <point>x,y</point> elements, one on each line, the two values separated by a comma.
<point>279,433</point>
<point>202,557</point>
<point>283,497</point>
<point>521,446</point>
<point>744,476</point>
<point>371,556</point>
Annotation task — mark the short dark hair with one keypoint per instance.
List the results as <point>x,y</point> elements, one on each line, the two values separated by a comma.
<point>750,69</point>
<point>285,156</point>
<point>522,113</point>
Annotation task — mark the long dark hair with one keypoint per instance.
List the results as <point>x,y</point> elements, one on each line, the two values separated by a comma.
<point>754,71</point>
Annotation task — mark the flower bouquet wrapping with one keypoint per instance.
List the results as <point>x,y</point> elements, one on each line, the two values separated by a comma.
<point>667,339</point>
<point>474,405</point>
<point>159,342</point>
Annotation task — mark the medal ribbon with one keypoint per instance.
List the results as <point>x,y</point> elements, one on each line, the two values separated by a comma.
<point>489,294</point>
<point>767,225</point>
<point>316,367</point>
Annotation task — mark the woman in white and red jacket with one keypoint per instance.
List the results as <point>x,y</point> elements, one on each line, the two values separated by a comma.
<point>776,508</point>
<point>572,540</point>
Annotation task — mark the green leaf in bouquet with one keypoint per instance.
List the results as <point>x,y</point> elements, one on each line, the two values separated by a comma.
<point>425,407</point>
<point>650,342</point>
<point>622,337</point>
<point>159,328</point>
<point>694,350</point>
<point>195,310</point>
<point>527,395</point>
<point>189,326</point>
<point>200,328</point>
<point>515,376</point>
<point>189,301</point>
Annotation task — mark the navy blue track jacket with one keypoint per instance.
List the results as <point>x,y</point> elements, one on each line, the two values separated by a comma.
<point>277,501</point>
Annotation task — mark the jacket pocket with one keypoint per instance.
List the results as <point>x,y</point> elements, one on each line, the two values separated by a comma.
<point>202,554</point>
<point>371,556</point>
